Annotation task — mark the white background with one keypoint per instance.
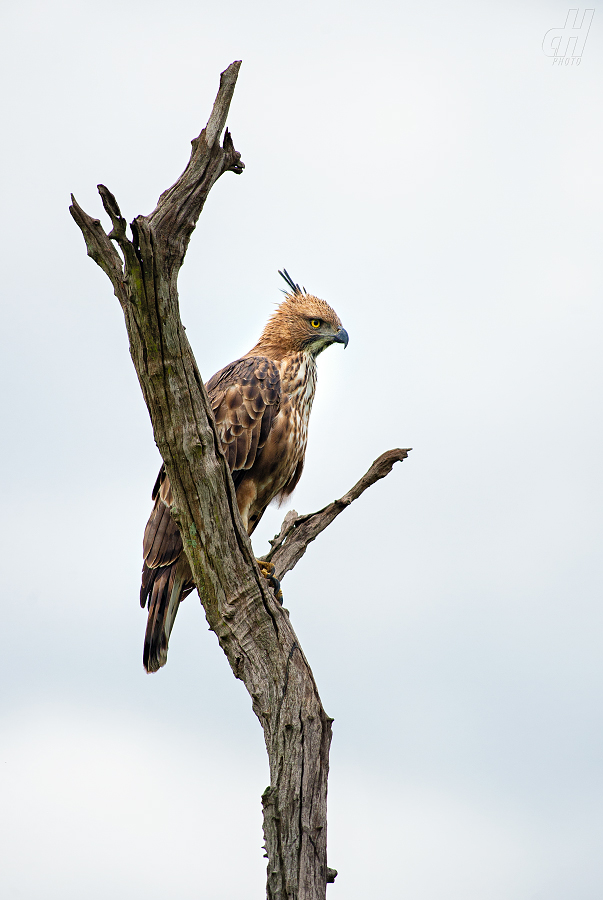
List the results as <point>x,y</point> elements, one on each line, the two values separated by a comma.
<point>429,172</point>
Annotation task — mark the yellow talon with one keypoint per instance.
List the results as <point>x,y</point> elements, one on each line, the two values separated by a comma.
<point>267,570</point>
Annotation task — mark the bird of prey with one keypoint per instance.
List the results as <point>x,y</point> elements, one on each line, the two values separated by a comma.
<point>261,404</point>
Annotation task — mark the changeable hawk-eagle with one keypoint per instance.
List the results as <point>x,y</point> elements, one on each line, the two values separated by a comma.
<point>261,404</point>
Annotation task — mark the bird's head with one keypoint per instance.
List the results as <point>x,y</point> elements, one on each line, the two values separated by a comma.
<point>301,323</point>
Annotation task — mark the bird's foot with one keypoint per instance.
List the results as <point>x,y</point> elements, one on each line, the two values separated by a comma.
<point>267,570</point>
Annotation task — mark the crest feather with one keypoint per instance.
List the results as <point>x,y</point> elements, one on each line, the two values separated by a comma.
<point>296,290</point>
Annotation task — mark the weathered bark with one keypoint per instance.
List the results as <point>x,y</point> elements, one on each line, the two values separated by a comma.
<point>253,629</point>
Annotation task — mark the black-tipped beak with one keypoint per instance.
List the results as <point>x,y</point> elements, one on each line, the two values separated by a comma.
<point>341,337</point>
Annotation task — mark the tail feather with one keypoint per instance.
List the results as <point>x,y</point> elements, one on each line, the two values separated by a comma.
<point>170,585</point>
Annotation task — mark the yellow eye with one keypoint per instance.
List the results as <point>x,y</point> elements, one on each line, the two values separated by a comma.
<point>315,323</point>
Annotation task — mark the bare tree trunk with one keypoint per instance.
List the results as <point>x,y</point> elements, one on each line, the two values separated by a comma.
<point>253,629</point>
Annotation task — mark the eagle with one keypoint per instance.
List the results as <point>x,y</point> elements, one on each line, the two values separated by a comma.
<point>261,405</point>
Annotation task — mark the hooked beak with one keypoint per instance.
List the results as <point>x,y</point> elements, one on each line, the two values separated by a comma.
<point>341,337</point>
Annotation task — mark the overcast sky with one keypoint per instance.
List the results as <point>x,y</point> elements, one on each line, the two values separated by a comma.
<point>428,171</point>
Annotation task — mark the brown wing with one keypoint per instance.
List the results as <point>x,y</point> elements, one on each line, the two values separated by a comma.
<point>245,398</point>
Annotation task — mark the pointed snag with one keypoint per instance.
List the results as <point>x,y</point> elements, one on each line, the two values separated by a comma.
<point>113,211</point>
<point>219,113</point>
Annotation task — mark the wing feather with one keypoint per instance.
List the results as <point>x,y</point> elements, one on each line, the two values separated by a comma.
<point>245,398</point>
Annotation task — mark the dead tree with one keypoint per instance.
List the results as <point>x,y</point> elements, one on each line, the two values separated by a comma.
<point>253,629</point>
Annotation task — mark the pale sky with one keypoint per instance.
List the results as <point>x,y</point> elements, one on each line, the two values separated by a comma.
<point>428,171</point>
